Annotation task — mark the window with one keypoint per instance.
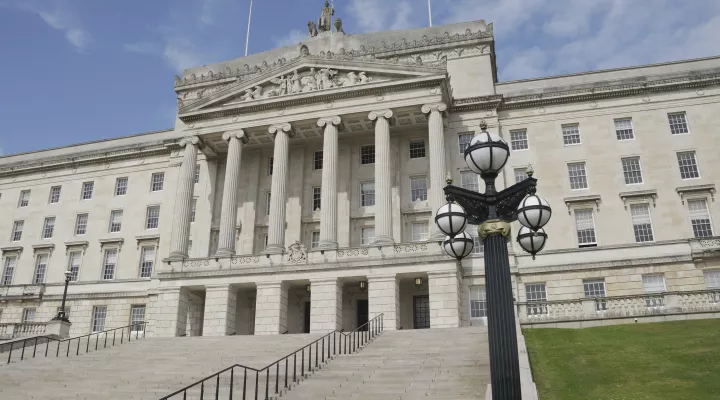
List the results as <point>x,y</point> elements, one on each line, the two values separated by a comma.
<point>41,262</point>
<point>712,279</point>
<point>137,317</point>
<point>596,289</point>
<point>642,224</point>
<point>17,230</point>
<point>147,261</point>
<point>518,140</point>
<point>153,217</point>
<point>653,286</point>
<point>267,203</point>
<point>368,235</point>
<point>318,160</point>
<point>478,302</point>
<point>464,141</point>
<point>87,190</point>
<point>700,218</point>
<point>367,154</point>
<point>418,188</point>
<point>74,265</point>
<point>109,264</point>
<point>54,194</point>
<point>688,165</point>
<point>678,123</point>
<point>624,129</point>
<point>316,198</point>
<point>98,319</point>
<point>419,231</point>
<point>24,199</point>
<point>585,226</point>
<point>632,170</point>
<point>10,264</point>
<point>28,315</point>
<point>535,293</point>
<point>478,245</point>
<point>190,248</point>
<point>48,227</point>
<point>520,174</point>
<point>571,134</point>
<point>578,176</point>
<point>115,221</point>
<point>314,239</point>
<point>469,180</point>
<point>417,149</point>
<point>81,222</point>
<point>196,179</point>
<point>367,194</point>
<point>271,162</point>
<point>193,207</point>
<point>121,185</point>
<point>156,181</point>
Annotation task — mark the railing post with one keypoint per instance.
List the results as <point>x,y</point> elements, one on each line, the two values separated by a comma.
<point>277,377</point>
<point>295,367</point>
<point>232,387</point>
<point>68,349</point>
<point>323,352</point>
<point>87,346</point>
<point>244,382</point>
<point>286,371</point>
<point>47,346</point>
<point>35,347</point>
<point>22,355</point>
<point>309,359</point>
<point>302,362</point>
<point>257,380</point>
<point>217,387</point>
<point>10,352</point>
<point>57,353</point>
<point>105,342</point>
<point>202,385</point>
<point>77,350</point>
<point>97,338</point>
<point>113,337</point>
<point>316,355</point>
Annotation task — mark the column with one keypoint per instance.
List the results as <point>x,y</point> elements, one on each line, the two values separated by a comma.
<point>383,177</point>
<point>325,305</point>
<point>169,313</point>
<point>228,214</point>
<point>328,190</point>
<point>438,168</point>
<point>444,291</point>
<point>384,298</point>
<point>219,316</point>
<point>271,304</point>
<point>278,188</point>
<point>183,199</point>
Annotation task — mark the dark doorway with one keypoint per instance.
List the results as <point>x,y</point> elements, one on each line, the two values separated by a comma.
<point>362,314</point>
<point>421,312</point>
<point>306,320</point>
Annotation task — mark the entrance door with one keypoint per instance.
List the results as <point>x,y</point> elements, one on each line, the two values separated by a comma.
<point>421,312</point>
<point>362,313</point>
<point>306,323</point>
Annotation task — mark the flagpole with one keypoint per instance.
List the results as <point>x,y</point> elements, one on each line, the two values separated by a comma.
<point>247,35</point>
<point>430,12</point>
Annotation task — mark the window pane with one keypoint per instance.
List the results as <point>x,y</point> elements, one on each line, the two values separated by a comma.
<point>578,177</point>
<point>271,162</point>
<point>267,203</point>
<point>109,263</point>
<point>518,139</point>
<point>478,245</point>
<point>631,170</point>
<point>87,190</point>
<point>147,261</point>
<point>137,317</point>
<point>98,321</point>
<point>418,188</point>
<point>700,218</point>
<point>367,194</point>
<point>642,224</point>
<point>48,227</point>
<point>153,217</point>
<point>24,199</point>
<point>368,235</point>
<point>29,315</point>
<point>678,123</point>
<point>314,240</point>
<point>594,288</point>
<point>571,134</point>
<point>54,194</point>
<point>81,224</point>
<point>318,160</point>
<point>74,265</point>
<point>317,198</point>
<point>688,165</point>
<point>367,154</point>
<point>157,181</point>
<point>520,174</point>
<point>417,149</point>
<point>193,208</point>
<point>478,302</point>
<point>419,231</point>
<point>121,185</point>
<point>585,226</point>
<point>197,173</point>
<point>464,141</point>
<point>470,181</point>
<point>116,220</point>
<point>17,230</point>
<point>653,283</point>
<point>624,129</point>
<point>40,268</point>
<point>10,264</point>
<point>712,279</point>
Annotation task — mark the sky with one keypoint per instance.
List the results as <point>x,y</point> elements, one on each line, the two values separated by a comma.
<point>83,70</point>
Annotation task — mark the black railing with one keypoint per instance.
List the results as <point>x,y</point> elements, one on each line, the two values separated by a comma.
<point>64,346</point>
<point>279,375</point>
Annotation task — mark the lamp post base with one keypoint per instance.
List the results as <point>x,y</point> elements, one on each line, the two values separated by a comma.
<point>58,328</point>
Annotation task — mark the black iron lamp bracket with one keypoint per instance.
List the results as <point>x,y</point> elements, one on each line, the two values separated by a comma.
<point>481,207</point>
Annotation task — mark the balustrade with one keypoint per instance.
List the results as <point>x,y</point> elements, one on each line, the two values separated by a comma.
<point>19,330</point>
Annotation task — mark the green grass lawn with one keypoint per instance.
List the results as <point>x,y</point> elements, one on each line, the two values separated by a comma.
<point>654,361</point>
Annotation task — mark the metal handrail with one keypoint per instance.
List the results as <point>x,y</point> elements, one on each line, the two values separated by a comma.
<point>49,339</point>
<point>338,343</point>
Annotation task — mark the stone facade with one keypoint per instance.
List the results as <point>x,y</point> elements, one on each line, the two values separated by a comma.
<point>322,164</point>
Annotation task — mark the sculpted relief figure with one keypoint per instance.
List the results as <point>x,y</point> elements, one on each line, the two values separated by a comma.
<point>363,78</point>
<point>326,76</point>
<point>338,26</point>
<point>308,82</point>
<point>312,29</point>
<point>295,82</point>
<point>325,20</point>
<point>248,95</point>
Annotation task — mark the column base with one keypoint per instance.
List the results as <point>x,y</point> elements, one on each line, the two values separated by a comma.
<point>383,240</point>
<point>274,249</point>
<point>327,245</point>
<point>224,253</point>
<point>177,256</point>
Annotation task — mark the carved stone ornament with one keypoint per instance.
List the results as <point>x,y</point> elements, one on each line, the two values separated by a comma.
<point>493,226</point>
<point>238,134</point>
<point>297,252</point>
<point>312,29</point>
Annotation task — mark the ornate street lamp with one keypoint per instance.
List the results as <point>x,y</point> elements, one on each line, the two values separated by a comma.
<point>493,211</point>
<point>61,314</point>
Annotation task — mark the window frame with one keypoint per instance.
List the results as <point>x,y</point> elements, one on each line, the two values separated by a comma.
<point>717,278</point>
<point>94,319</point>
<point>418,150</point>
<point>371,239</point>
<point>523,171</point>
<point>481,301</point>
<point>121,179</point>
<point>270,165</point>
<point>577,231</point>
<point>462,146</point>
<point>696,164</point>
<point>7,278</point>
<point>22,202</point>
<point>193,210</point>
<point>632,220</point>
<point>524,140</point>
<point>316,198</point>
<point>709,216</point>
<point>363,195</point>
<point>419,191</point>
<point>39,274</point>
<point>54,198</point>
<point>620,132</point>
<point>74,272</point>
<point>585,176</point>
<point>48,228</point>
<point>26,313</point>
<point>314,244</point>
<point>476,178</point>
<point>672,125</point>
<point>143,268</point>
<point>366,157</point>
<point>77,224</point>
<point>133,322</point>
<point>423,237</point>
<point>626,170</point>
<point>268,202</point>
<point>110,222</point>
<point>107,266</point>
<point>147,217</point>
<point>87,190</point>
<point>645,291</point>
<point>196,174</point>
<point>570,135</point>
<point>17,230</point>
<point>318,159</point>
<point>536,309</point>
<point>157,182</point>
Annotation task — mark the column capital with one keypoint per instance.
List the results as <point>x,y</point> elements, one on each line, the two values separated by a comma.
<point>385,113</point>
<point>192,140</point>
<point>238,134</point>
<point>333,119</point>
<point>439,107</point>
<point>283,127</point>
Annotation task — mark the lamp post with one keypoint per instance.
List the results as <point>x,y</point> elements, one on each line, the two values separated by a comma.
<point>61,314</point>
<point>493,211</point>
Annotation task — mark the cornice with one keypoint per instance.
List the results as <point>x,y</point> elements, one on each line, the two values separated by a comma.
<point>82,296</point>
<point>632,262</point>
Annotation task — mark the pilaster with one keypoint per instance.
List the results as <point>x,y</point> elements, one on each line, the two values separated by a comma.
<point>384,298</point>
<point>445,290</point>
<point>219,316</point>
<point>271,308</point>
<point>325,305</point>
<point>169,313</point>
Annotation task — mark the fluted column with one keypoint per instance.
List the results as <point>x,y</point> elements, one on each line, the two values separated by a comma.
<point>438,168</point>
<point>278,189</point>
<point>228,213</point>
<point>328,190</point>
<point>183,199</point>
<point>383,177</point>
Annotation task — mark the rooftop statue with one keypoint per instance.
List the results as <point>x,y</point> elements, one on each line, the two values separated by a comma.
<point>325,20</point>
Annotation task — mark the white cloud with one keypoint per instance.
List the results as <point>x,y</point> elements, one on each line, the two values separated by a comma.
<point>378,15</point>
<point>293,37</point>
<point>61,16</point>
<point>181,57</point>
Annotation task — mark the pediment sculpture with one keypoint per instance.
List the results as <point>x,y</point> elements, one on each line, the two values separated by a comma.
<point>304,82</point>
<point>297,252</point>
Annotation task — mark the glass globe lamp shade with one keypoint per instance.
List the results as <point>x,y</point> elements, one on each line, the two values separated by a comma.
<point>459,246</point>
<point>531,241</point>
<point>487,153</point>
<point>534,212</point>
<point>451,219</point>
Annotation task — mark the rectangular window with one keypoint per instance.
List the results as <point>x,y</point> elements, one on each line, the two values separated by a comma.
<point>518,140</point>
<point>318,160</point>
<point>24,199</point>
<point>109,262</point>
<point>115,221</point>
<point>417,149</point>
<point>478,245</point>
<point>137,317</point>
<point>469,180</point>
<point>624,129</point>
<point>267,203</point>
<point>571,134</point>
<point>642,224</point>
<point>152,221</point>
<point>157,181</point>
<point>419,231</point>
<point>87,190</point>
<point>271,162</point>
<point>54,194</point>
<point>578,176</point>
<point>678,123</point>
<point>418,188</point>
<point>147,261</point>
<point>98,318</point>
<point>48,227</point>
<point>535,293</point>
<point>193,208</point>
<point>74,265</point>
<point>121,185</point>
<point>464,141</point>
<point>653,283</point>
<point>17,230</point>
<point>478,302</point>
<point>196,179</point>
<point>9,270</point>
<point>712,279</point>
<point>585,227</point>
<point>41,263</point>
<point>314,240</point>
<point>190,248</point>
<point>688,165</point>
<point>367,194</point>
<point>520,174</point>
<point>700,218</point>
<point>631,170</point>
<point>28,315</point>
<point>596,289</point>
<point>316,198</point>
<point>367,154</point>
<point>81,222</point>
<point>368,235</point>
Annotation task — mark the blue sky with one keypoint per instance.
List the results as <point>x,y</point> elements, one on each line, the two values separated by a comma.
<point>83,70</point>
